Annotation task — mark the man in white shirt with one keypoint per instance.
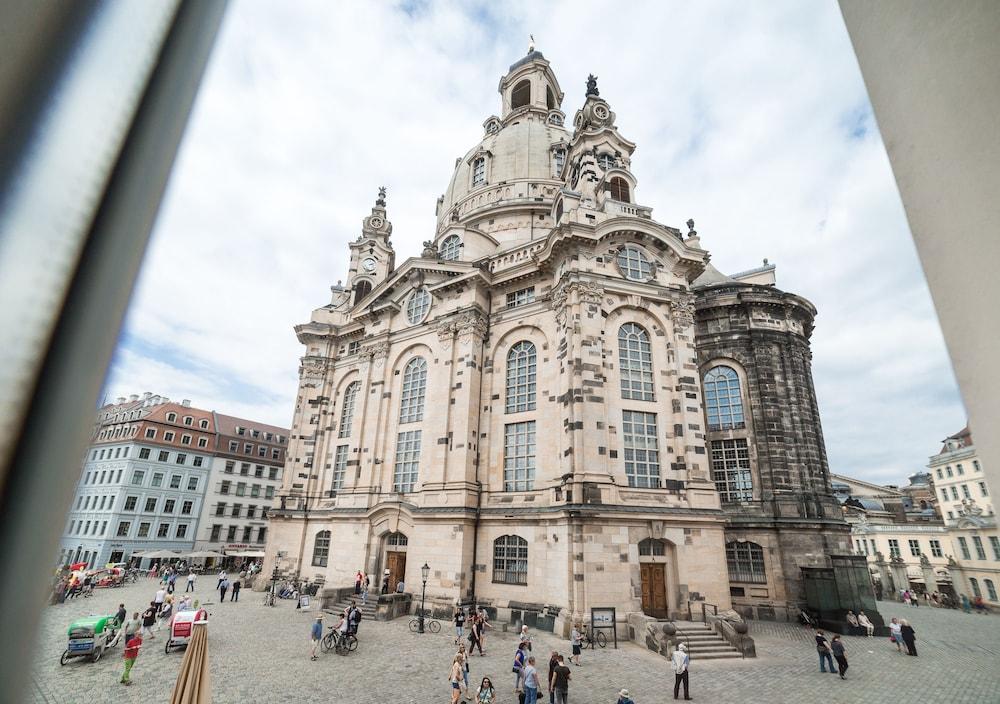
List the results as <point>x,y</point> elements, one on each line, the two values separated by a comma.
<point>680,661</point>
<point>161,594</point>
<point>190,585</point>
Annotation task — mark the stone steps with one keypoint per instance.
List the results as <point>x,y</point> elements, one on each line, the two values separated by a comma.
<point>367,610</point>
<point>704,643</point>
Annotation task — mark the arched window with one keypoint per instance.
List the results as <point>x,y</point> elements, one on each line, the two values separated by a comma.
<point>974,583</point>
<point>634,263</point>
<point>635,363</point>
<point>510,560</point>
<point>451,247</point>
<point>746,562</point>
<point>171,417</point>
<point>521,376</point>
<point>558,160</point>
<point>347,409</point>
<point>479,171</point>
<point>652,548</point>
<point>411,401</point>
<point>731,470</point>
<point>321,548</point>
<point>559,211</point>
<point>723,401</point>
<point>550,100</point>
<point>397,540</point>
<point>521,95</point>
<point>991,590</point>
<point>418,305</point>
<point>618,188</point>
<point>361,289</point>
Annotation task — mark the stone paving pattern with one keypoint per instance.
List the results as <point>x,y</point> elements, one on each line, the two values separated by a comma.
<point>260,654</point>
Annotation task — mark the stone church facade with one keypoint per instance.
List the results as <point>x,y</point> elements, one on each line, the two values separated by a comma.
<point>560,404</point>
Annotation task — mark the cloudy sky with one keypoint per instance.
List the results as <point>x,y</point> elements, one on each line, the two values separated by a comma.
<point>750,118</point>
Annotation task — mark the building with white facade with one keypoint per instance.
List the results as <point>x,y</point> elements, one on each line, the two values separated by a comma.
<point>967,506</point>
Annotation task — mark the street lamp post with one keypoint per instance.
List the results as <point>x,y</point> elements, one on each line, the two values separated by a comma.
<point>424,573</point>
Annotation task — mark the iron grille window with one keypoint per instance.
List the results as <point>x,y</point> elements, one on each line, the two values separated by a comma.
<point>521,297</point>
<point>451,248</point>
<point>642,454</point>
<point>652,548</point>
<point>745,562</point>
<point>723,400</point>
<point>731,470</point>
<point>411,402</point>
<point>347,410</point>
<point>634,263</point>
<point>418,305</point>
<point>510,560</point>
<point>339,467</point>
<point>321,548</point>
<point>519,456</point>
<point>407,461</point>
<point>635,363</point>
<point>521,377</point>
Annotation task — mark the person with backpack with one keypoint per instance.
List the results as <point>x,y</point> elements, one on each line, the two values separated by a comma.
<point>353,618</point>
<point>518,668</point>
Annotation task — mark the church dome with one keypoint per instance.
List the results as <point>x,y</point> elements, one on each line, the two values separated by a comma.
<point>511,176</point>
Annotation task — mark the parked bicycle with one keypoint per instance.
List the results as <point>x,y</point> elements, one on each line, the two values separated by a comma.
<point>341,643</point>
<point>429,625</point>
<point>589,640</point>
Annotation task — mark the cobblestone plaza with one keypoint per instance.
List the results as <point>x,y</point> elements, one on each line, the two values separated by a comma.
<point>260,654</point>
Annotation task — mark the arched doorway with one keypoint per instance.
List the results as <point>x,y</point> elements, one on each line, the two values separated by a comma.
<point>653,575</point>
<point>394,546</point>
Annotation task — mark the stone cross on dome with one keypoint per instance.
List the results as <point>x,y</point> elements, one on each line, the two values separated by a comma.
<point>531,43</point>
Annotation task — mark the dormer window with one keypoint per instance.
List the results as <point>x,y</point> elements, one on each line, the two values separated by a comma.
<point>521,95</point>
<point>451,248</point>
<point>479,171</point>
<point>618,189</point>
<point>606,161</point>
<point>492,127</point>
<point>556,119</point>
<point>558,161</point>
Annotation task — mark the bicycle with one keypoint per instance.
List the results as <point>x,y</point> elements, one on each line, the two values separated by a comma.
<point>429,625</point>
<point>269,598</point>
<point>342,644</point>
<point>600,639</point>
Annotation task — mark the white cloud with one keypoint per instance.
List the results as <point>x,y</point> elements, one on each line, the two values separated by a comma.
<point>748,117</point>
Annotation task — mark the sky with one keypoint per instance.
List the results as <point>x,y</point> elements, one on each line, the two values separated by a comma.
<point>751,118</point>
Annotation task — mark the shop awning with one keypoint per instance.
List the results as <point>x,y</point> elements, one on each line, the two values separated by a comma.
<point>245,553</point>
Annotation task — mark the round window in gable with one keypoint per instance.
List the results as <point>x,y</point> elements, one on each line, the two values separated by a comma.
<point>418,306</point>
<point>634,263</point>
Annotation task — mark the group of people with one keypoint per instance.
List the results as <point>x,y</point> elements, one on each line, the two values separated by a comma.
<point>860,622</point>
<point>141,626</point>
<point>478,623</point>
<point>348,623</point>
<point>901,633</point>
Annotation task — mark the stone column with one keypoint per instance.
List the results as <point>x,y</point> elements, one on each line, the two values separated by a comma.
<point>930,576</point>
<point>898,568</point>
<point>883,572</point>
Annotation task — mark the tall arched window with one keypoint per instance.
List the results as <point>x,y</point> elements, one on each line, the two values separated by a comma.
<point>510,560</point>
<point>521,95</point>
<point>635,363</point>
<point>991,590</point>
<point>550,99</point>
<point>361,289</point>
<point>723,401</point>
<point>347,409</point>
<point>411,401</point>
<point>974,583</point>
<point>479,171</point>
<point>321,548</point>
<point>451,247</point>
<point>558,160</point>
<point>521,376</point>
<point>618,188</point>
<point>746,562</point>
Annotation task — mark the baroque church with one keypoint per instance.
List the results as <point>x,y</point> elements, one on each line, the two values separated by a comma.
<point>560,404</point>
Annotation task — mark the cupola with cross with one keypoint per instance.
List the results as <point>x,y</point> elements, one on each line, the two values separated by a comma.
<point>372,256</point>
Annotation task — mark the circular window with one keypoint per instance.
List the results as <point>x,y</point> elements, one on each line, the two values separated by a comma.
<point>376,222</point>
<point>601,112</point>
<point>634,263</point>
<point>418,305</point>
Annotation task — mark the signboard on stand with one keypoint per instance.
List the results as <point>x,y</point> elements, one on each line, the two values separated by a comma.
<point>604,618</point>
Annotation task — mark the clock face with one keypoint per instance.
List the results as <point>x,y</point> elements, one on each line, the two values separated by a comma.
<point>375,222</point>
<point>368,264</point>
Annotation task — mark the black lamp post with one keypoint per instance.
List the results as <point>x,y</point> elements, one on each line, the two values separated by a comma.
<point>425,572</point>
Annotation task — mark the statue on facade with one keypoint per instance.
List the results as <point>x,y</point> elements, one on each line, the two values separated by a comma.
<point>691,231</point>
<point>592,85</point>
<point>430,251</point>
<point>380,201</point>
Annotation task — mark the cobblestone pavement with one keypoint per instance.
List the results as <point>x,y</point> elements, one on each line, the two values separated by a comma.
<point>260,654</point>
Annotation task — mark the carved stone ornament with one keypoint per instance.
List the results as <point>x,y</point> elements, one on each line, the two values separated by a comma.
<point>470,326</point>
<point>312,369</point>
<point>377,353</point>
<point>430,251</point>
<point>446,332</point>
<point>682,313</point>
<point>587,292</point>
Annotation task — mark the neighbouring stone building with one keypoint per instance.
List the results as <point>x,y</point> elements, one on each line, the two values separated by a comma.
<point>964,497</point>
<point>560,404</point>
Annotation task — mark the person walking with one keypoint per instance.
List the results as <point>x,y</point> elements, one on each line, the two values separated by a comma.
<point>222,576</point>
<point>131,654</point>
<point>161,594</point>
<point>474,633</point>
<point>525,637</point>
<point>486,694</point>
<point>121,616</point>
<point>909,637</point>
<point>465,671</point>
<point>576,641</point>
<point>966,604</point>
<point>315,635</point>
<point>237,585</point>
<point>148,619</point>
<point>484,623</point>
<point>866,623</point>
<point>895,634</point>
<point>190,582</point>
<point>364,590</point>
<point>385,582</point>
<point>132,626</point>
<point>680,660</point>
<point>171,582</point>
<point>624,698</point>
<point>559,681</point>
<point>455,677</point>
<point>357,582</point>
<point>839,654</point>
<point>223,588</point>
<point>530,682</point>
<point>459,624</point>
<point>553,661</point>
<point>518,667</point>
<point>825,656</point>
<point>166,611</point>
